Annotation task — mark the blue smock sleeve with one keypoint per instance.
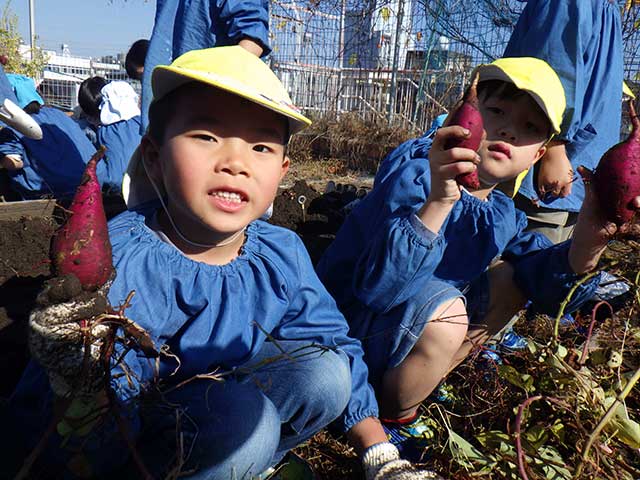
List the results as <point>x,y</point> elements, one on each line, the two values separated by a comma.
<point>397,263</point>
<point>313,316</point>
<point>10,143</point>
<point>247,19</point>
<point>543,273</point>
<point>402,253</point>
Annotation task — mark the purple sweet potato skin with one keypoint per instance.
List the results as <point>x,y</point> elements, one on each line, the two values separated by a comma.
<point>81,246</point>
<point>617,179</point>
<point>467,115</point>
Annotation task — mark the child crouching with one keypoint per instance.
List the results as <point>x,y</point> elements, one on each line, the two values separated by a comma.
<point>424,270</point>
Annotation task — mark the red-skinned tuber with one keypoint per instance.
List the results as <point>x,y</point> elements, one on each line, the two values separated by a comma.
<point>616,180</point>
<point>81,246</point>
<point>467,115</point>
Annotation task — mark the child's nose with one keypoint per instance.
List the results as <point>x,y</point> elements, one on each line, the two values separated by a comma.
<point>232,161</point>
<point>507,134</point>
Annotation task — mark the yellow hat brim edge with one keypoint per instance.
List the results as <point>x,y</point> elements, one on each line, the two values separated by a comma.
<point>168,78</point>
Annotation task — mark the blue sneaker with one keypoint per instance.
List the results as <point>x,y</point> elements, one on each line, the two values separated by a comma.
<point>445,394</point>
<point>411,438</point>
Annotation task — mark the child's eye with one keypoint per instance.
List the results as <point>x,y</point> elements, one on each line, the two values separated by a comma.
<point>495,110</point>
<point>205,137</point>
<point>262,148</point>
<point>532,127</point>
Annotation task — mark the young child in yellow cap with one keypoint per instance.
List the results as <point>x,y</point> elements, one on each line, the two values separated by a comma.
<point>221,293</point>
<point>424,270</point>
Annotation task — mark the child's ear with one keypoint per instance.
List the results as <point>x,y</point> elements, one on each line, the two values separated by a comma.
<point>285,166</point>
<point>150,157</point>
<point>539,154</point>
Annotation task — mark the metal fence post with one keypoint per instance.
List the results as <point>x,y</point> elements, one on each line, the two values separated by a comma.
<point>394,68</point>
<point>343,13</point>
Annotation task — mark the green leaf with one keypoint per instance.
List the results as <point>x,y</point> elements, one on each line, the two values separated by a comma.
<point>466,454</point>
<point>552,471</point>
<point>537,435</point>
<point>561,351</point>
<point>558,430</point>
<point>497,440</point>
<point>511,375</point>
<point>622,426</point>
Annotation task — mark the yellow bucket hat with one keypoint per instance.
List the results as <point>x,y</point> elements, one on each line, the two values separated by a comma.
<point>539,80</point>
<point>232,69</point>
<point>534,76</point>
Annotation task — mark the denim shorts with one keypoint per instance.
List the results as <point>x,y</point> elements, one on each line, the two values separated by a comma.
<point>388,338</point>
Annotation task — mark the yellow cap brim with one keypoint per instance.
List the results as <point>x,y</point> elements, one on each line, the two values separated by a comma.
<point>627,91</point>
<point>168,78</point>
<point>494,72</point>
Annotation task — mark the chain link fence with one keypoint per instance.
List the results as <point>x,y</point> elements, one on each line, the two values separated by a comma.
<point>400,60</point>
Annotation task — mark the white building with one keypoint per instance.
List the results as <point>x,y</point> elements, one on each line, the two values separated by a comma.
<point>65,72</point>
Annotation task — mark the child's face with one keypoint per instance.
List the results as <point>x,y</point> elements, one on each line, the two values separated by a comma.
<point>517,131</point>
<point>221,162</point>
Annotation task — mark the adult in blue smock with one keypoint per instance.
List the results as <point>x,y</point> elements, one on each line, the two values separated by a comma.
<point>184,25</point>
<point>119,132</point>
<point>52,166</point>
<point>582,41</point>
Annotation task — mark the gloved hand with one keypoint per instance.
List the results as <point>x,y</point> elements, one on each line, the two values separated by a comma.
<point>382,462</point>
<point>60,328</point>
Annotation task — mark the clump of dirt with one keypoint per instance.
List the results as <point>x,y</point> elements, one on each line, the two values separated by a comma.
<point>25,247</point>
<point>24,266</point>
<point>315,216</point>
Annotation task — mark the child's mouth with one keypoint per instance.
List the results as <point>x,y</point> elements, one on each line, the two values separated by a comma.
<point>228,200</point>
<point>500,148</point>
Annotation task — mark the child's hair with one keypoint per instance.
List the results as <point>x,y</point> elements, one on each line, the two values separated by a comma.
<point>134,61</point>
<point>89,96</point>
<point>507,90</point>
<point>160,112</point>
<point>32,107</point>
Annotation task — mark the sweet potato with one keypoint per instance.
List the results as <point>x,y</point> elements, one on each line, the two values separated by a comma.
<point>81,246</point>
<point>467,115</point>
<point>616,180</point>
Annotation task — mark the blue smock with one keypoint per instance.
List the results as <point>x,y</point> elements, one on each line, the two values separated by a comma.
<point>383,255</point>
<point>582,41</point>
<point>53,165</point>
<point>121,139</point>
<point>184,25</point>
<point>215,316</point>
<point>6,90</point>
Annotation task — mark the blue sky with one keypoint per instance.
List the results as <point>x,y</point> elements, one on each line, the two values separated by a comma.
<point>90,27</point>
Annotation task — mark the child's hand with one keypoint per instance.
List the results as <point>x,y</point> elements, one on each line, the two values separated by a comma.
<point>251,46</point>
<point>382,462</point>
<point>593,231</point>
<point>555,175</point>
<point>446,165</point>
<point>58,334</point>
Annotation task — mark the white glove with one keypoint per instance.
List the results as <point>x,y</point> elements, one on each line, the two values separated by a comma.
<point>382,462</point>
<point>58,328</point>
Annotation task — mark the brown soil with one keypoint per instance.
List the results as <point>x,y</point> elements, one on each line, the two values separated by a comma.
<point>24,266</point>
